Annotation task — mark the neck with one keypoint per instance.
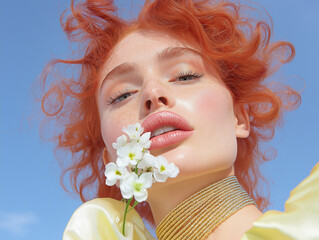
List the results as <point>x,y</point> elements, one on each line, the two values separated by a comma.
<point>164,197</point>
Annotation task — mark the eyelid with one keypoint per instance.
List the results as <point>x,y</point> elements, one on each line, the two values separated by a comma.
<point>113,87</point>
<point>120,93</point>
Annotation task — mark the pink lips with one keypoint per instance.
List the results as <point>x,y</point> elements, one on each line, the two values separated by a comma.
<point>165,119</point>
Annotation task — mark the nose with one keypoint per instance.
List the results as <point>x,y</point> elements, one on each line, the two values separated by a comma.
<point>155,95</point>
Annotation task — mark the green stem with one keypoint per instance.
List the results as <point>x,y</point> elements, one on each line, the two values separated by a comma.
<point>125,212</point>
<point>134,205</point>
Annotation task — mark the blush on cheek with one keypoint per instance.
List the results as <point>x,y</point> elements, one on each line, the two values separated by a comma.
<point>205,101</point>
<point>214,103</point>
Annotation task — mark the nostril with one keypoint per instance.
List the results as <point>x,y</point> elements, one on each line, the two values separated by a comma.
<point>160,101</point>
<point>148,104</point>
<point>163,100</point>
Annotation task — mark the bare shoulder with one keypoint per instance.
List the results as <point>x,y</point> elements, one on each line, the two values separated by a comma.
<point>235,226</point>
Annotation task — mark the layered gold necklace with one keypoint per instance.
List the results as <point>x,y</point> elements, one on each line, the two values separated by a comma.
<point>197,216</point>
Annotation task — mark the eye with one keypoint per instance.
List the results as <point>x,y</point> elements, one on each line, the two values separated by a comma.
<point>120,97</point>
<point>187,76</point>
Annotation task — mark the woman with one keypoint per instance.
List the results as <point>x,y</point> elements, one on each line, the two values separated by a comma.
<point>198,63</point>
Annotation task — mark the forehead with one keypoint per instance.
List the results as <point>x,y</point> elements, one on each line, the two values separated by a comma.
<point>139,46</point>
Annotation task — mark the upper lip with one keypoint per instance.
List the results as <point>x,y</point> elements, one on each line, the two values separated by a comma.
<point>163,119</point>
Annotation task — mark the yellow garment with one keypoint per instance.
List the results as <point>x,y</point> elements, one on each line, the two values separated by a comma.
<point>102,218</point>
<point>300,221</point>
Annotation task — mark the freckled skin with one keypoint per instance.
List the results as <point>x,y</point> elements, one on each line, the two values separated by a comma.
<point>210,152</point>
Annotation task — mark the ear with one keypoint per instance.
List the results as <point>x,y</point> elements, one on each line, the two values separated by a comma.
<point>242,123</point>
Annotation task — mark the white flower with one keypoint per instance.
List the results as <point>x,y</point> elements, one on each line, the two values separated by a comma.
<point>148,161</point>
<point>131,153</point>
<point>120,141</point>
<point>114,173</point>
<point>144,140</point>
<point>134,131</point>
<point>132,185</point>
<point>163,169</point>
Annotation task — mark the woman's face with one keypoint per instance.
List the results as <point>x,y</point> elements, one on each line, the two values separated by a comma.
<point>154,76</point>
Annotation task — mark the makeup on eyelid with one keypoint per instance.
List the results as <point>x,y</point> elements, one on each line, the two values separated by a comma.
<point>117,87</point>
<point>175,67</point>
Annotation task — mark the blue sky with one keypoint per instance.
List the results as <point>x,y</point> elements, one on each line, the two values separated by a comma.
<point>33,205</point>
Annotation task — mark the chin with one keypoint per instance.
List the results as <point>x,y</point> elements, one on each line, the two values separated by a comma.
<point>194,161</point>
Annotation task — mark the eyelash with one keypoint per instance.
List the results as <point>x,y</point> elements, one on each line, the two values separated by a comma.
<point>117,96</point>
<point>180,75</point>
<point>188,73</point>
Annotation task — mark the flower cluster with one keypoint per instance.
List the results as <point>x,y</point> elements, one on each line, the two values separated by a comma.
<point>136,169</point>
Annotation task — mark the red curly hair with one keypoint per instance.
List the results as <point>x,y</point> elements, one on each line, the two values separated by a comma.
<point>237,45</point>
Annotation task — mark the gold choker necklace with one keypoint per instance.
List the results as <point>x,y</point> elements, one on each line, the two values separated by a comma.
<point>197,216</point>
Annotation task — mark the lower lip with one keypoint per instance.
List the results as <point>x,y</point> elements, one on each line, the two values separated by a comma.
<point>169,138</point>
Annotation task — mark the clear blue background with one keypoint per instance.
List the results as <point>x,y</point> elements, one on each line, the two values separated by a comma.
<point>33,205</point>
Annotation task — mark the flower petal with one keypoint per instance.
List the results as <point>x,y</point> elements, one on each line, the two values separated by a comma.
<point>141,195</point>
<point>160,177</point>
<point>123,150</point>
<point>120,141</point>
<point>133,131</point>
<point>172,170</point>
<point>123,171</point>
<point>109,173</point>
<point>148,161</point>
<point>126,193</point>
<point>110,167</point>
<point>122,162</point>
<point>110,181</point>
<point>126,185</point>
<point>146,179</point>
<point>144,141</point>
<point>160,160</point>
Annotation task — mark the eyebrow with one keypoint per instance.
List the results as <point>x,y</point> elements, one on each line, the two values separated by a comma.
<point>175,52</point>
<point>165,55</point>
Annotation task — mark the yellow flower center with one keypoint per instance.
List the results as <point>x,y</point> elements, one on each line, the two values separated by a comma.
<point>138,187</point>
<point>117,172</point>
<point>162,168</point>
<point>131,156</point>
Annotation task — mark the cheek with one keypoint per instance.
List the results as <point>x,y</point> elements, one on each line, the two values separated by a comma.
<point>214,105</point>
<point>110,133</point>
<point>215,129</point>
<point>111,129</point>
<point>204,102</point>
